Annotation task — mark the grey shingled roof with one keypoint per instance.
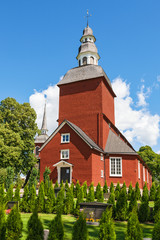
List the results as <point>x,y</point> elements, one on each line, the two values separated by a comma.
<point>116,145</point>
<point>84,136</point>
<point>84,73</point>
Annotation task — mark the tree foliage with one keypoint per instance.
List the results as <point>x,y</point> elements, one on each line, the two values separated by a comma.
<point>56,229</point>
<point>17,131</point>
<point>152,159</point>
<point>80,231</point>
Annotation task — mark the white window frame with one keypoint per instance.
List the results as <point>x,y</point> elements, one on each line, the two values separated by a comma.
<point>61,154</point>
<point>102,174</point>
<point>102,157</point>
<point>139,169</point>
<point>116,158</point>
<point>144,173</point>
<point>65,134</point>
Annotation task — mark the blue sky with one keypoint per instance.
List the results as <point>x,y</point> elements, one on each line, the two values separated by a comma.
<point>39,44</point>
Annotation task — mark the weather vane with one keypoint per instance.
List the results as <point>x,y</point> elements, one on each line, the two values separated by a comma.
<point>88,15</point>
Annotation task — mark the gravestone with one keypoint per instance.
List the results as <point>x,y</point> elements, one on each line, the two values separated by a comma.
<point>93,209</point>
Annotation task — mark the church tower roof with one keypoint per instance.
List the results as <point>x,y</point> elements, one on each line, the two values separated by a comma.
<point>87,53</point>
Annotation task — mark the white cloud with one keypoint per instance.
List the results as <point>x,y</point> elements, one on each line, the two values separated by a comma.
<point>37,101</point>
<point>142,95</point>
<point>137,125</point>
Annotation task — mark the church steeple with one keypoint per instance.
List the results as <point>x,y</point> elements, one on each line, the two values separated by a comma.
<point>44,122</point>
<point>87,53</point>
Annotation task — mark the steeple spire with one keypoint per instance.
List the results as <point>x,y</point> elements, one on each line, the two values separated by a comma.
<point>44,122</point>
<point>88,17</point>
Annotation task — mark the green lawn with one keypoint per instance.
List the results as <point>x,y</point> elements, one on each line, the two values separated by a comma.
<point>68,222</point>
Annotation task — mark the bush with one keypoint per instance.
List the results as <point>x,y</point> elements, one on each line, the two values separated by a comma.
<point>2,222</point>
<point>80,197</point>
<point>56,230</point>
<point>100,197</point>
<point>35,227</point>
<point>69,202</point>
<point>121,206</point>
<point>157,203</point>
<point>33,178</point>
<point>134,231</point>
<point>14,225</point>
<point>156,231</point>
<point>111,200</point>
<point>77,189</point>
<point>152,192</point>
<point>60,201</point>
<point>117,191</point>
<point>9,194</point>
<point>24,205</point>
<point>17,194</point>
<point>105,187</point>
<point>50,202</point>
<point>41,197</point>
<point>106,227</point>
<point>137,191</point>
<point>46,179</point>
<point>90,195</point>
<point>9,177</point>
<point>80,231</point>
<point>130,189</point>
<point>2,194</point>
<point>85,189</point>
<point>133,202</point>
<point>111,190</point>
<point>32,198</point>
<point>98,190</point>
<point>3,174</point>
<point>143,213</point>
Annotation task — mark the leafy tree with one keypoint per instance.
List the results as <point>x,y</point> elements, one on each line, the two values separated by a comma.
<point>2,222</point>
<point>130,189</point>
<point>152,159</point>
<point>62,184</point>
<point>17,131</point>
<point>46,179</point>
<point>121,206</point>
<point>14,225</point>
<point>85,189</point>
<point>100,197</point>
<point>134,230</point>
<point>90,195</point>
<point>105,187</point>
<point>33,178</point>
<point>60,201</point>
<point>56,229</point>
<point>80,196</point>
<point>106,227</point>
<point>117,191</point>
<point>156,231</point>
<point>124,187</point>
<point>9,177</point>
<point>66,185</point>
<point>152,192</point>
<point>137,191</point>
<point>80,231</point>
<point>2,194</point>
<point>111,190</point>
<point>32,199</point>
<point>41,197</point>
<point>69,202</point>
<point>143,213</point>
<point>24,205</point>
<point>56,185</point>
<point>35,227</point>
<point>72,188</point>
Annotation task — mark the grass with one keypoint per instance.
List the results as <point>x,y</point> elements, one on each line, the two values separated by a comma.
<point>69,220</point>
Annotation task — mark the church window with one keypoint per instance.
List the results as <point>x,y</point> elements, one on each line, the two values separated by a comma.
<point>143,173</point>
<point>139,170</point>
<point>102,175</point>
<point>91,60</point>
<point>37,150</point>
<point>116,167</point>
<point>65,138</point>
<point>85,61</point>
<point>65,154</point>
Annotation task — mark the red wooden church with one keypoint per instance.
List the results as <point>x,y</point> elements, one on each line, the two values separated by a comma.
<point>86,145</point>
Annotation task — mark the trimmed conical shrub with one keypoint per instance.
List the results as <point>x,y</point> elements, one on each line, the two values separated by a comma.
<point>41,198</point>
<point>50,201</point>
<point>90,195</point>
<point>133,202</point>
<point>117,190</point>
<point>2,222</point>
<point>24,205</point>
<point>111,190</point>
<point>134,231</point>
<point>98,190</point>
<point>105,187</point>
<point>17,194</point>
<point>121,206</point>
<point>85,189</point>
<point>152,192</point>
<point>130,189</point>
<point>137,191</point>
<point>35,227</point>
<point>80,231</point>
<point>156,229</point>
<point>143,212</point>
<point>157,203</point>
<point>106,228</point>
<point>80,197</point>
<point>111,200</point>
<point>69,202</point>
<point>32,198</point>
<point>56,230</point>
<point>14,225</point>
<point>9,194</point>
<point>77,188</point>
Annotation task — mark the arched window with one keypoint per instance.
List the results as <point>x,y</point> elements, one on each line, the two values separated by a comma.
<point>37,150</point>
<point>91,60</point>
<point>85,61</point>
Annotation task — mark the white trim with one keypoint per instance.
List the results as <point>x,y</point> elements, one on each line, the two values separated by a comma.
<point>144,173</point>
<point>65,134</point>
<point>102,157</point>
<point>139,169</point>
<point>116,158</point>
<point>63,164</point>
<point>61,154</point>
<point>102,174</point>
